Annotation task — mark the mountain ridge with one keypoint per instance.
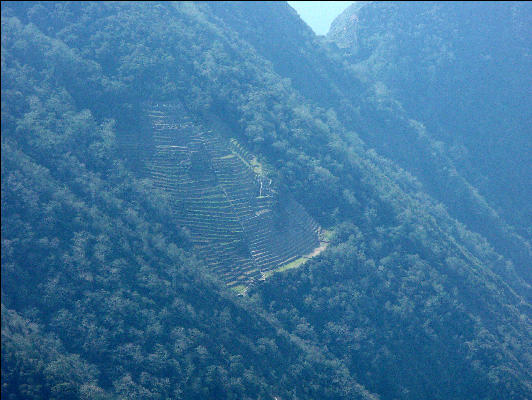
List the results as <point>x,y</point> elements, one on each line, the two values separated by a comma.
<point>404,303</point>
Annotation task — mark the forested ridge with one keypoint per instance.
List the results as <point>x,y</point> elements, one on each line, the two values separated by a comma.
<point>102,294</point>
<point>461,162</point>
<point>460,72</point>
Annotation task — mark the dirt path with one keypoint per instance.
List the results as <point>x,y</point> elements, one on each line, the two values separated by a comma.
<point>317,250</point>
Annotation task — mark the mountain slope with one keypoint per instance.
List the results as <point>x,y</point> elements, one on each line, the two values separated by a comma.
<point>324,77</point>
<point>239,223</point>
<point>96,275</point>
<point>463,71</point>
<point>93,256</point>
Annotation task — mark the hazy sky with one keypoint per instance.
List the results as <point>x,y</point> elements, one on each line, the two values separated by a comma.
<point>319,14</point>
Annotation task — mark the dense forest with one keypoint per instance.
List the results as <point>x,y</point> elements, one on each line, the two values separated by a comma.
<point>424,289</point>
<point>461,72</point>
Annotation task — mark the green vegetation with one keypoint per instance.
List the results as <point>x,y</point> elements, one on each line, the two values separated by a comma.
<point>118,241</point>
<point>241,289</point>
<point>469,141</point>
<point>222,199</point>
<point>257,167</point>
<point>293,264</point>
<point>327,234</point>
<point>103,295</point>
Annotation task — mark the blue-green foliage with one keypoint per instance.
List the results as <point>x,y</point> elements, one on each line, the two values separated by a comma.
<point>96,278</point>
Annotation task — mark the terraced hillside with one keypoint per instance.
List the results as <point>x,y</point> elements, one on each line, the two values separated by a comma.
<point>238,223</point>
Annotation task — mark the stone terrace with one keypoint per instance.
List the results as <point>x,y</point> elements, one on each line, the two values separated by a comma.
<point>229,209</point>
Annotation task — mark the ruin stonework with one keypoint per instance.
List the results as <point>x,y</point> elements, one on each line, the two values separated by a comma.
<point>238,223</point>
